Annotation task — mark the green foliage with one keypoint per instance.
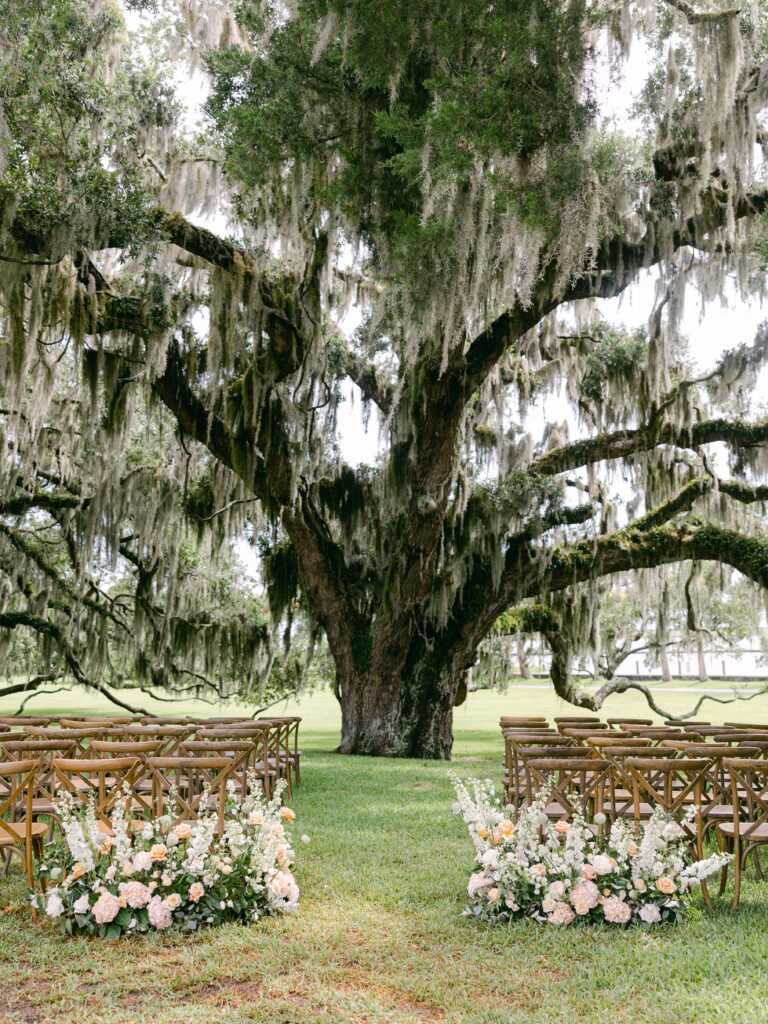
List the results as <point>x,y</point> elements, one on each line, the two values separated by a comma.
<point>384,101</point>
<point>75,117</point>
<point>617,357</point>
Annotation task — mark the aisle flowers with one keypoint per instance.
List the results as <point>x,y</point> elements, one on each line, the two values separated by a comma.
<point>568,871</point>
<point>172,875</point>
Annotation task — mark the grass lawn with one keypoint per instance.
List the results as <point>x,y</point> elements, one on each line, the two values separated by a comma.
<point>379,938</point>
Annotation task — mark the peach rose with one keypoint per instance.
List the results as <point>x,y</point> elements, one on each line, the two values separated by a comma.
<point>562,827</point>
<point>507,828</point>
<point>173,900</point>
<point>78,870</point>
<point>539,869</point>
<point>196,892</point>
<point>665,885</point>
<point>287,814</point>
<point>256,818</point>
<point>158,851</point>
<point>588,873</point>
<point>183,830</point>
<point>548,905</point>
<point>493,896</point>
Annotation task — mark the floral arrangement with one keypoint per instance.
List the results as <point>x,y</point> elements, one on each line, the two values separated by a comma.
<point>568,872</point>
<point>170,874</point>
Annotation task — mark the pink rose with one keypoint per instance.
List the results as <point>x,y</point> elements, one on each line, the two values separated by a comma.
<point>588,872</point>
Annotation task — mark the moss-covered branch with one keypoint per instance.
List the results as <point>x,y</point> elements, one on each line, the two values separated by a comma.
<point>621,444</point>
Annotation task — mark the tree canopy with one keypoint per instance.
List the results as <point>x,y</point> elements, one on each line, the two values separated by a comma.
<point>216,221</point>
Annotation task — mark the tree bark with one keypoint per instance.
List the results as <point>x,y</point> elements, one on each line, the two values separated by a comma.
<point>410,715</point>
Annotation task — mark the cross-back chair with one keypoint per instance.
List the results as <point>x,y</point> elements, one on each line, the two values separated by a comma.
<point>747,830</point>
<point>180,782</point>
<point>19,832</point>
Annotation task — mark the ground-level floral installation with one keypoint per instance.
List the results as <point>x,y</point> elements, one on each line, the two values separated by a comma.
<point>171,875</point>
<point>566,872</point>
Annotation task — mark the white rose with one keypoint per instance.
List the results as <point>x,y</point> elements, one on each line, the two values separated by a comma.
<point>602,864</point>
<point>649,913</point>
<point>54,906</point>
<point>82,906</point>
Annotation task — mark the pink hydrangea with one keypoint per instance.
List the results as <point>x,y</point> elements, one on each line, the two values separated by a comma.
<point>160,916</point>
<point>616,911</point>
<point>135,894</point>
<point>106,908</point>
<point>584,897</point>
<point>562,914</point>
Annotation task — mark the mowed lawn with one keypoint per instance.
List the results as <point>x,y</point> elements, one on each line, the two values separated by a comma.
<point>379,938</point>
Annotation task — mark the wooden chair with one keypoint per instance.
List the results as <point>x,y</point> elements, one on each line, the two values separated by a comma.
<point>577,785</point>
<point>19,832</point>
<point>576,719</point>
<point>42,751</point>
<point>105,781</point>
<point>629,721</point>
<point>748,828</point>
<point>521,750</point>
<point>178,784</point>
<point>257,734</point>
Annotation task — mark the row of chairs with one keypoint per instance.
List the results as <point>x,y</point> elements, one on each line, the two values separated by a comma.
<point>152,761</point>
<point>628,768</point>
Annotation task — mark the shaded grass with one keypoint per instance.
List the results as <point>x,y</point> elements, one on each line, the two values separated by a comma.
<point>379,938</point>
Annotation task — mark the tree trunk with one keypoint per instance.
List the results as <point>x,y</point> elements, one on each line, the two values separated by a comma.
<point>522,661</point>
<point>410,716</point>
<point>703,676</point>
<point>666,673</point>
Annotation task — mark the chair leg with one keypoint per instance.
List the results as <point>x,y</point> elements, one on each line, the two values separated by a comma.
<point>737,871</point>
<point>758,867</point>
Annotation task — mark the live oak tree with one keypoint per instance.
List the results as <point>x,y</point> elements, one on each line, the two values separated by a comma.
<point>424,199</point>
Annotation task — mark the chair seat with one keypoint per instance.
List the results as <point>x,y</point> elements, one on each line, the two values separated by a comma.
<point>724,811</point>
<point>20,830</point>
<point>757,833</point>
<point>627,810</point>
<point>41,805</point>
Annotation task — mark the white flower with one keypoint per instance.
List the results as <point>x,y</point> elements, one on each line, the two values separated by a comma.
<point>305,839</point>
<point>82,906</point>
<point>55,872</point>
<point>650,914</point>
<point>600,818</point>
<point>142,861</point>
<point>54,907</point>
<point>602,864</point>
<point>672,831</point>
<point>147,832</point>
